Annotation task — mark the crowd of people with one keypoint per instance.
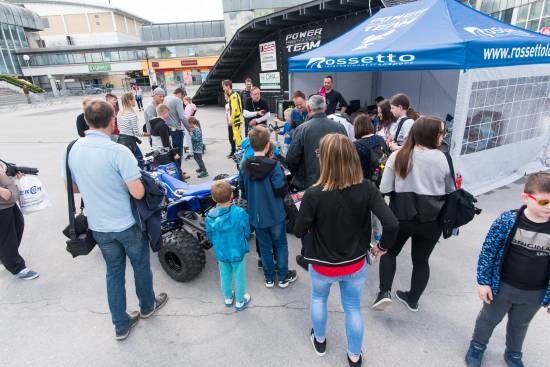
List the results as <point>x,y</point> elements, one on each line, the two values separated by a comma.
<point>344,221</point>
<point>394,152</point>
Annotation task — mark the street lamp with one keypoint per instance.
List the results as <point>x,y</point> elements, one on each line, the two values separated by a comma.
<point>27,59</point>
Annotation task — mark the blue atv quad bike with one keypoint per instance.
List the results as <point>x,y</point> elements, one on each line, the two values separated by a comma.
<point>182,255</point>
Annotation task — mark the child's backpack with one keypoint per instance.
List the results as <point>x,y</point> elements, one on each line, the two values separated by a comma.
<point>377,162</point>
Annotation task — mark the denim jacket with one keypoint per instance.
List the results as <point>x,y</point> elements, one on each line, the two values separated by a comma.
<point>228,229</point>
<point>491,258</point>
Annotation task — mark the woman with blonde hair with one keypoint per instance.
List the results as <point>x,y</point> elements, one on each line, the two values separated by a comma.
<point>335,222</point>
<point>128,126</point>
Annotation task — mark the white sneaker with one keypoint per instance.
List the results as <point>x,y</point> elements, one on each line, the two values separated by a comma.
<point>27,274</point>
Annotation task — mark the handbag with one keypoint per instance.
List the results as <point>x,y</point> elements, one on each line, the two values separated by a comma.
<point>80,238</point>
<point>459,208</point>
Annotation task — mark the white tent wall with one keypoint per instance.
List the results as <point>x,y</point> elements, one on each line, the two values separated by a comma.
<point>431,92</point>
<point>351,85</point>
<point>502,125</point>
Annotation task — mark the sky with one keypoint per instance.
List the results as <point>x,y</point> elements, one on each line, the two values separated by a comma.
<point>165,11</point>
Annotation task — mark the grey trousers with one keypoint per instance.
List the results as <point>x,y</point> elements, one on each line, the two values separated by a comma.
<point>520,305</point>
<point>200,162</point>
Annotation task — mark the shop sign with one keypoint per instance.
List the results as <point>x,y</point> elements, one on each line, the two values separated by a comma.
<point>99,67</point>
<point>268,56</point>
<point>270,80</point>
<point>303,40</point>
<point>189,62</point>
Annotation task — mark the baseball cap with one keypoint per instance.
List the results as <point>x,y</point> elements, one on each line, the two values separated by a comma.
<point>159,92</point>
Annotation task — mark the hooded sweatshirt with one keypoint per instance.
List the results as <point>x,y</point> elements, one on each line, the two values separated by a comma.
<point>264,187</point>
<point>160,129</point>
<point>228,229</point>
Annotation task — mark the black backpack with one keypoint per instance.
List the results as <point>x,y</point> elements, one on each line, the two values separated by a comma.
<point>377,160</point>
<point>459,208</point>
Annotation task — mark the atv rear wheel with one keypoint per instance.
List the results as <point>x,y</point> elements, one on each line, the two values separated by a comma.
<point>182,256</point>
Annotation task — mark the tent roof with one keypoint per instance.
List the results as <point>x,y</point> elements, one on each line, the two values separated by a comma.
<point>427,34</point>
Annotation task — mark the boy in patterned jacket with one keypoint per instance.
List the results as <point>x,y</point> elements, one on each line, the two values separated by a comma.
<point>513,272</point>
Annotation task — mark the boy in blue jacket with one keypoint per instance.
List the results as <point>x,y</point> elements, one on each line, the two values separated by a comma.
<point>264,187</point>
<point>228,228</point>
<point>513,272</point>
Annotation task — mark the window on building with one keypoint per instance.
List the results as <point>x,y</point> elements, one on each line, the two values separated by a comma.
<point>141,54</point>
<point>164,35</point>
<point>536,10</point>
<point>3,66</point>
<point>146,34</point>
<point>23,37</point>
<point>132,55</point>
<point>79,58</point>
<point>3,41</point>
<point>93,57</point>
<point>156,32</point>
<point>110,56</point>
<point>182,32</point>
<point>173,30</point>
<point>123,54</point>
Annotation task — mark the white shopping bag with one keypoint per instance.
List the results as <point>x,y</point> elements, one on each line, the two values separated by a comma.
<point>32,195</point>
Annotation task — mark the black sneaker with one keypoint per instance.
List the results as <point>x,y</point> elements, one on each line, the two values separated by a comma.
<point>198,170</point>
<point>320,348</point>
<point>260,264</point>
<point>356,364</point>
<point>382,301</point>
<point>404,298</point>
<point>302,262</point>
<point>160,301</point>
<point>123,334</point>
<point>290,278</point>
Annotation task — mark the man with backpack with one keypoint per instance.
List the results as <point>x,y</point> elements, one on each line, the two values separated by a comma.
<point>106,174</point>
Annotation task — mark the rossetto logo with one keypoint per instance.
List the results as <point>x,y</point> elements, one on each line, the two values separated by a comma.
<point>496,32</point>
<point>357,62</point>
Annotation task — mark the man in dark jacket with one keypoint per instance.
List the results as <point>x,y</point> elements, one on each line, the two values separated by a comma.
<point>302,159</point>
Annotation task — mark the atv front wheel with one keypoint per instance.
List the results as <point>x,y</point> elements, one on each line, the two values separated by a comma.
<point>182,256</point>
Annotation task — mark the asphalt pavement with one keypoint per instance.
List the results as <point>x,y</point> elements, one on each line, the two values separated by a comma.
<point>62,319</point>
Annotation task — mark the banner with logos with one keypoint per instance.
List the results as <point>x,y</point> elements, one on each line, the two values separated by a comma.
<point>268,56</point>
<point>270,80</point>
<point>423,35</point>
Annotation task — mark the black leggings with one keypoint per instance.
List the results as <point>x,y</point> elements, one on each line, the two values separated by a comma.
<point>231,141</point>
<point>424,237</point>
<point>11,231</point>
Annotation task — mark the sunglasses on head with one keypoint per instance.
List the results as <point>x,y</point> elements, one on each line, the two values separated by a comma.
<point>541,202</point>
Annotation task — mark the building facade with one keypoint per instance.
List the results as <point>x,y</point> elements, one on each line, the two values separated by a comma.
<point>237,13</point>
<point>83,24</point>
<point>88,46</point>
<point>530,14</point>
<point>17,25</point>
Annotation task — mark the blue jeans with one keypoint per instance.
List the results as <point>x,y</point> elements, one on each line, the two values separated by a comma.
<point>237,271</point>
<point>115,246</point>
<point>272,240</point>
<point>350,296</point>
<point>177,141</point>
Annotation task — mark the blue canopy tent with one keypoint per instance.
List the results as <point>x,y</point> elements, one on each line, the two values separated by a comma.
<point>450,59</point>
